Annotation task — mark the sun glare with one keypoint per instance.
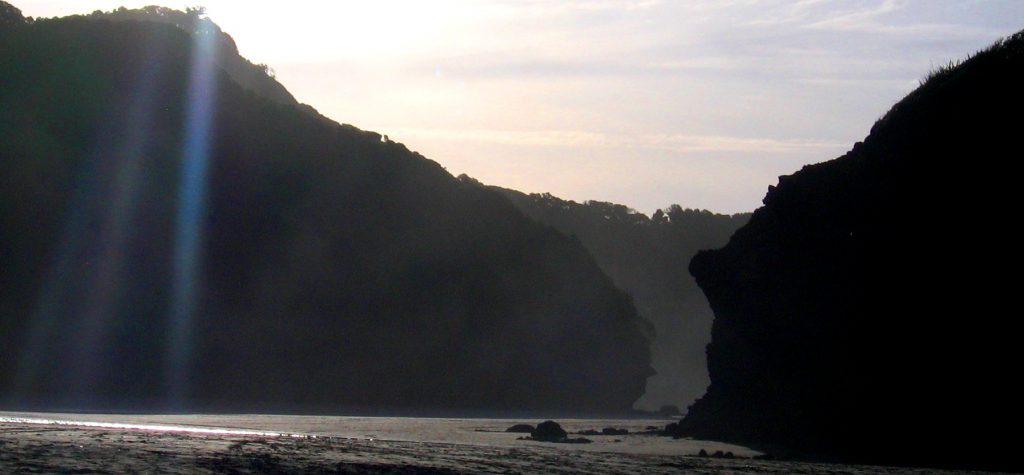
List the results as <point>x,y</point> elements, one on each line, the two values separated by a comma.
<point>307,30</point>
<point>316,31</point>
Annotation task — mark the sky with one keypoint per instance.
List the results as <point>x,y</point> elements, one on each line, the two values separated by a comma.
<point>646,103</point>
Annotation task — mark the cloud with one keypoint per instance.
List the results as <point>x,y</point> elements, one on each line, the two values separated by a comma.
<point>858,18</point>
<point>592,5</point>
<point>626,5</point>
<point>888,17</point>
<point>682,143</point>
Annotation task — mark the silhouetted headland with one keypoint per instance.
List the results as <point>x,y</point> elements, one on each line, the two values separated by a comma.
<point>178,234</point>
<point>867,311</point>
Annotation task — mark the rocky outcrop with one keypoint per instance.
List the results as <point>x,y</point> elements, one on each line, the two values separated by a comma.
<point>864,313</point>
<point>549,431</point>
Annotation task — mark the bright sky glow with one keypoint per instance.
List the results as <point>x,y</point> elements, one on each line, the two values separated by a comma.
<point>641,102</point>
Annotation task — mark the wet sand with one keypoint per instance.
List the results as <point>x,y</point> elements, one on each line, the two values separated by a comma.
<point>51,448</point>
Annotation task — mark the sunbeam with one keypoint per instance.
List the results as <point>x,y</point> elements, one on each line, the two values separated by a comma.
<point>188,238</point>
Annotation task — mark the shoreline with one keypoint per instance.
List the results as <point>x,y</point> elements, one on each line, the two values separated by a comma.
<point>73,446</point>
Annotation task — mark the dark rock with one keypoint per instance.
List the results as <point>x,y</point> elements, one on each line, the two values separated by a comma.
<point>524,428</point>
<point>614,431</point>
<point>578,440</point>
<point>702,453</point>
<point>589,432</point>
<point>548,431</point>
<point>861,314</point>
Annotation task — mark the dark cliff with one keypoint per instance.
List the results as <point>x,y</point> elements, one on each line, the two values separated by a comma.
<point>865,313</point>
<point>648,257</point>
<point>172,239</point>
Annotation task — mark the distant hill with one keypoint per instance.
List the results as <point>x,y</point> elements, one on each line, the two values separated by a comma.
<point>316,268</point>
<point>648,257</point>
<point>868,311</point>
<point>254,77</point>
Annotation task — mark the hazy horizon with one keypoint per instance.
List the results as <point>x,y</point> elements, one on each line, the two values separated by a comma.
<point>644,103</point>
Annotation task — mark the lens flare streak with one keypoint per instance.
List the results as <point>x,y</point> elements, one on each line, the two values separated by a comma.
<point>191,205</point>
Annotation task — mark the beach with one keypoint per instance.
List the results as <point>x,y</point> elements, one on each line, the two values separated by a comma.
<point>92,443</point>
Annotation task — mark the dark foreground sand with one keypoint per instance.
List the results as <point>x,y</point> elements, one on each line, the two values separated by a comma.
<point>36,448</point>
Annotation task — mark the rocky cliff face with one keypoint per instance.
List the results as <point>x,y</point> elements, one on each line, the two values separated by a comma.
<point>866,312</point>
<point>172,239</point>
<point>648,257</point>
